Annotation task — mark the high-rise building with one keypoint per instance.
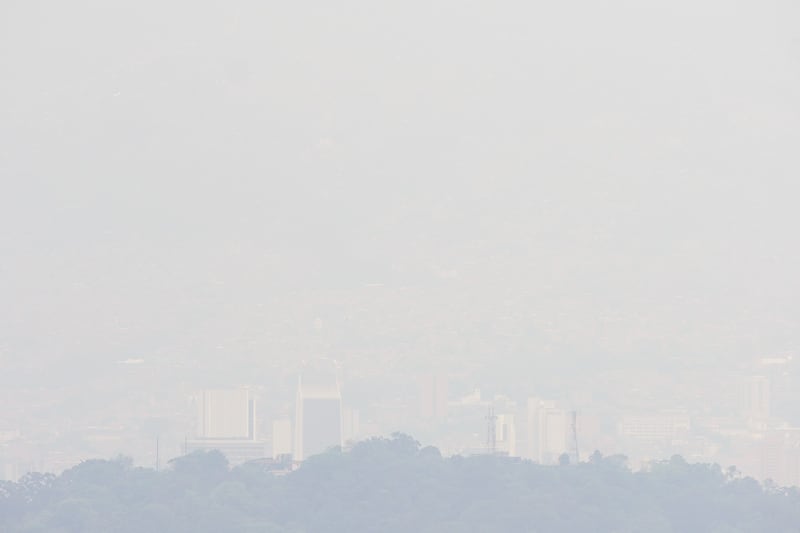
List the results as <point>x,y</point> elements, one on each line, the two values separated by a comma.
<point>433,397</point>
<point>506,434</point>
<point>779,456</point>
<point>318,415</point>
<point>547,427</point>
<point>226,414</point>
<point>226,421</point>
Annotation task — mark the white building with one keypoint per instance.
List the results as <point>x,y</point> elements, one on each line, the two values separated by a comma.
<point>237,451</point>
<point>226,414</point>
<point>547,427</point>
<point>667,425</point>
<point>226,421</point>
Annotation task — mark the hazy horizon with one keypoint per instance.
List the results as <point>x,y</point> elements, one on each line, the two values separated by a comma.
<point>590,203</point>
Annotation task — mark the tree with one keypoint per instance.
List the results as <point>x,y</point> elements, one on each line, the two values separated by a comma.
<point>394,485</point>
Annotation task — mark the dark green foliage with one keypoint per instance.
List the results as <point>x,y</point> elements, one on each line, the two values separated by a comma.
<point>394,485</point>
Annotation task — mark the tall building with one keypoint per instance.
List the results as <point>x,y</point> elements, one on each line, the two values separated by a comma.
<point>226,414</point>
<point>506,434</point>
<point>226,421</point>
<point>779,456</point>
<point>433,397</point>
<point>547,427</point>
<point>318,415</point>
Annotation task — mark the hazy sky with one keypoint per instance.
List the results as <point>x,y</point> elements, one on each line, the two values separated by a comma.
<point>186,179</point>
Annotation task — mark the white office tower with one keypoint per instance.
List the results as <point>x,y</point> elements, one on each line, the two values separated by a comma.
<point>226,414</point>
<point>547,427</point>
<point>318,415</point>
<point>226,421</point>
<point>281,438</point>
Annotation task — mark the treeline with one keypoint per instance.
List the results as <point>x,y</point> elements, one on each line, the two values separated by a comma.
<point>394,485</point>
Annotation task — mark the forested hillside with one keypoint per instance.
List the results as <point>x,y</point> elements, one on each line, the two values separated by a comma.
<point>395,485</point>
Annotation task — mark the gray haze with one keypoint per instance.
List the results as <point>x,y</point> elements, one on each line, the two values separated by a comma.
<point>521,195</point>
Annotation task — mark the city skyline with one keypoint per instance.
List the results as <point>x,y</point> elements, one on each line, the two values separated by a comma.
<point>392,260</point>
